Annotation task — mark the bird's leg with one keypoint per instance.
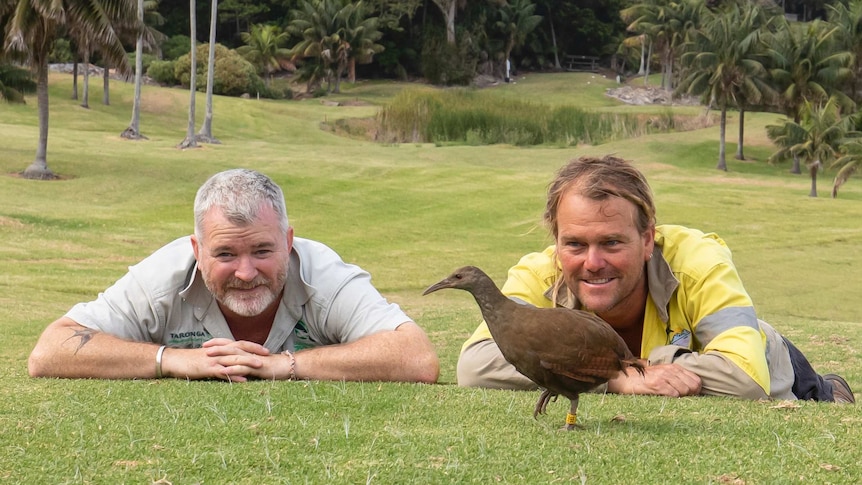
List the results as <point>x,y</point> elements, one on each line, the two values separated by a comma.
<point>572,415</point>
<point>542,403</point>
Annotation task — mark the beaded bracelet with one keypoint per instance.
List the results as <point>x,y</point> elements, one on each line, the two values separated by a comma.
<point>291,376</point>
<point>159,354</point>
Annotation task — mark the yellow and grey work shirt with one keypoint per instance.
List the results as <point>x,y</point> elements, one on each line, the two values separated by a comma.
<point>697,315</point>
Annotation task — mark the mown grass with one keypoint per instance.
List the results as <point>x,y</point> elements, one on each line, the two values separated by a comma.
<point>409,213</point>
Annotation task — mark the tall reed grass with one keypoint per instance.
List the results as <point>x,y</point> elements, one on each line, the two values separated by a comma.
<point>472,117</point>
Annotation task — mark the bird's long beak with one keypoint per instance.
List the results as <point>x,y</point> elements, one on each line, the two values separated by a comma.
<point>437,286</point>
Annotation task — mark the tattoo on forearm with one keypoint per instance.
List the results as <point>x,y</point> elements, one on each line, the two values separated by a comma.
<point>86,334</point>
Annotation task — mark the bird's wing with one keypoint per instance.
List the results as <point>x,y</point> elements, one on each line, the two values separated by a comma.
<point>584,347</point>
<point>592,369</point>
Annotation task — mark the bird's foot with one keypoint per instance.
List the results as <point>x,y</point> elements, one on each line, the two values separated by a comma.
<point>572,422</point>
<point>542,403</point>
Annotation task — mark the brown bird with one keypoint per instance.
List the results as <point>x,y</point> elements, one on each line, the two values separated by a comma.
<point>563,351</point>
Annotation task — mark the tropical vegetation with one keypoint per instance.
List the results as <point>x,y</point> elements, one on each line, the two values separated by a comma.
<point>735,55</point>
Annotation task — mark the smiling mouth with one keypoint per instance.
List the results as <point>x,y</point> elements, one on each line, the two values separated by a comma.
<point>244,289</point>
<point>596,281</point>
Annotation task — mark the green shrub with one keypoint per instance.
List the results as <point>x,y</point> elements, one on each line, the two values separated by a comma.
<point>449,65</point>
<point>146,59</point>
<point>233,75</point>
<point>61,52</point>
<point>162,72</point>
<point>278,89</point>
<point>15,82</point>
<point>175,47</point>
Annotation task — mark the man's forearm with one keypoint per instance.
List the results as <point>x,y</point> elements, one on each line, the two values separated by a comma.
<point>67,349</point>
<point>402,355</point>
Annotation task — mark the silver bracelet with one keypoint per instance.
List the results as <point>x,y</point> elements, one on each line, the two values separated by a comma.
<point>291,376</point>
<point>159,361</point>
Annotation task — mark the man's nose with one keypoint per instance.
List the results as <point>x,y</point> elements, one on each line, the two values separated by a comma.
<point>245,269</point>
<point>594,259</point>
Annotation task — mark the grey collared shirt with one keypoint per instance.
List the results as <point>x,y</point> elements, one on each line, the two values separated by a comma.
<point>163,299</point>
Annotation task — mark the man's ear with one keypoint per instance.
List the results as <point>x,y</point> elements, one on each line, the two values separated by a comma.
<point>195,246</point>
<point>289,238</point>
<point>649,241</point>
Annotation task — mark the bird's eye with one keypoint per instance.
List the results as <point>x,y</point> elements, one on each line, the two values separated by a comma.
<point>458,276</point>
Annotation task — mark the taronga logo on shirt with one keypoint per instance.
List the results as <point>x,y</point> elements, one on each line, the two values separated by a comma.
<point>302,338</point>
<point>682,339</point>
<point>188,340</point>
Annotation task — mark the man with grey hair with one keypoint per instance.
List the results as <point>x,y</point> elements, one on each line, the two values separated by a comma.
<point>239,299</point>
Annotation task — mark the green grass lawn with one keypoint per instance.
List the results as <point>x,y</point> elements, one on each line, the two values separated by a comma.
<point>409,214</point>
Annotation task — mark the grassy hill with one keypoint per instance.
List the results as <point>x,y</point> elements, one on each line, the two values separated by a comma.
<point>408,213</point>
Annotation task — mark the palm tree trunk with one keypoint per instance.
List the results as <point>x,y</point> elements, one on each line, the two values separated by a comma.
<point>85,97</point>
<point>206,133</point>
<point>189,141</point>
<point>813,171</point>
<point>106,85</point>
<point>739,154</point>
<point>133,132</point>
<point>554,43</point>
<point>642,68</point>
<point>339,71</point>
<point>797,165</point>
<point>74,77</point>
<point>39,168</point>
<point>722,162</point>
<point>649,57</point>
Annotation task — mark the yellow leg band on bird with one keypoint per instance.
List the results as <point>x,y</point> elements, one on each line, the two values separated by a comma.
<point>571,418</point>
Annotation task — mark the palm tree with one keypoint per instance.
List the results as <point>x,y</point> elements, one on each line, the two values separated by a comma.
<point>848,19</point>
<point>817,138</point>
<point>361,33</point>
<point>189,141</point>
<point>808,67</point>
<point>316,22</point>
<point>639,19</point>
<point>147,15</point>
<point>848,163</point>
<point>264,49</point>
<point>550,17</point>
<point>666,24</point>
<point>30,29</point>
<point>722,64</point>
<point>516,20</point>
<point>205,135</point>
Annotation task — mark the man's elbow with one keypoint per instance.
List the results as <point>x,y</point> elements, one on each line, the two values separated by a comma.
<point>427,368</point>
<point>419,358</point>
<point>37,364</point>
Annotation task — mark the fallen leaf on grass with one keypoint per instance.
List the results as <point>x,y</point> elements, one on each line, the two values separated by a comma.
<point>786,405</point>
<point>731,479</point>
